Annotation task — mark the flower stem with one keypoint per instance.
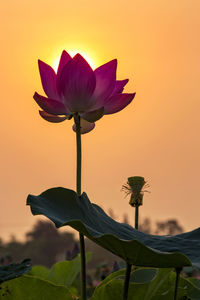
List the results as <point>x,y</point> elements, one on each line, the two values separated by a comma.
<point>178,271</point>
<point>78,153</point>
<point>136,216</point>
<point>83,267</point>
<point>128,266</point>
<point>126,281</point>
<point>78,190</point>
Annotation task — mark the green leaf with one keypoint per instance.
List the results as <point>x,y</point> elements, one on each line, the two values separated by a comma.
<point>143,286</point>
<point>39,271</point>
<point>64,207</point>
<point>111,291</point>
<point>145,283</point>
<point>195,281</point>
<point>148,284</point>
<point>188,287</point>
<point>137,276</point>
<point>65,272</point>
<point>155,285</point>
<point>14,270</point>
<point>169,295</point>
<point>32,288</point>
<point>192,287</point>
<point>109,278</point>
<point>142,275</point>
<point>61,273</point>
<point>73,290</point>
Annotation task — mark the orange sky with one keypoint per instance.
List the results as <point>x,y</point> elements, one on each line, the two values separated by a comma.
<point>158,48</point>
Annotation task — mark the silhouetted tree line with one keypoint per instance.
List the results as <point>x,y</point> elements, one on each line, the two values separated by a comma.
<point>45,244</point>
<point>168,227</point>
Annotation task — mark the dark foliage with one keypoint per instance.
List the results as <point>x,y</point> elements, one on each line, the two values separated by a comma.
<point>44,245</point>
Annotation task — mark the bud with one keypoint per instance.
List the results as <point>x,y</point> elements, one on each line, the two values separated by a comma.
<point>135,188</point>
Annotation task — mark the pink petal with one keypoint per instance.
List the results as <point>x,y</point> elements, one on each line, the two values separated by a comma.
<point>77,83</point>
<point>85,126</point>
<point>119,86</point>
<point>64,59</point>
<point>48,78</point>
<point>93,116</point>
<point>117,102</point>
<point>51,106</point>
<point>52,118</point>
<point>105,81</point>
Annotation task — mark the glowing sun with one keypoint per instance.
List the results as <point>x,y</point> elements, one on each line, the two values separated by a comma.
<point>87,57</point>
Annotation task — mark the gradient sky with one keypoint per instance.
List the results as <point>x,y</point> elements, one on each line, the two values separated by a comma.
<point>157,136</point>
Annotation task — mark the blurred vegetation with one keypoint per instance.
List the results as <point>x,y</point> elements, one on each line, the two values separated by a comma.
<point>43,245</point>
<point>169,227</point>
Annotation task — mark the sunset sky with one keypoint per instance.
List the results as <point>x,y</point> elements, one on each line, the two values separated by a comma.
<point>157,45</point>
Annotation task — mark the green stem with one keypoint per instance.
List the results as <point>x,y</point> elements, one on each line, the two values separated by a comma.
<point>78,153</point>
<point>128,266</point>
<point>178,271</point>
<point>78,190</point>
<point>136,216</point>
<point>83,267</point>
<point>126,281</point>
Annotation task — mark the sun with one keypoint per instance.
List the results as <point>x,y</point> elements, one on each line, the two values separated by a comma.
<point>85,54</point>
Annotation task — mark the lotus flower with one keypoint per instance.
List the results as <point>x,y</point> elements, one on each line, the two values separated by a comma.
<point>77,89</point>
